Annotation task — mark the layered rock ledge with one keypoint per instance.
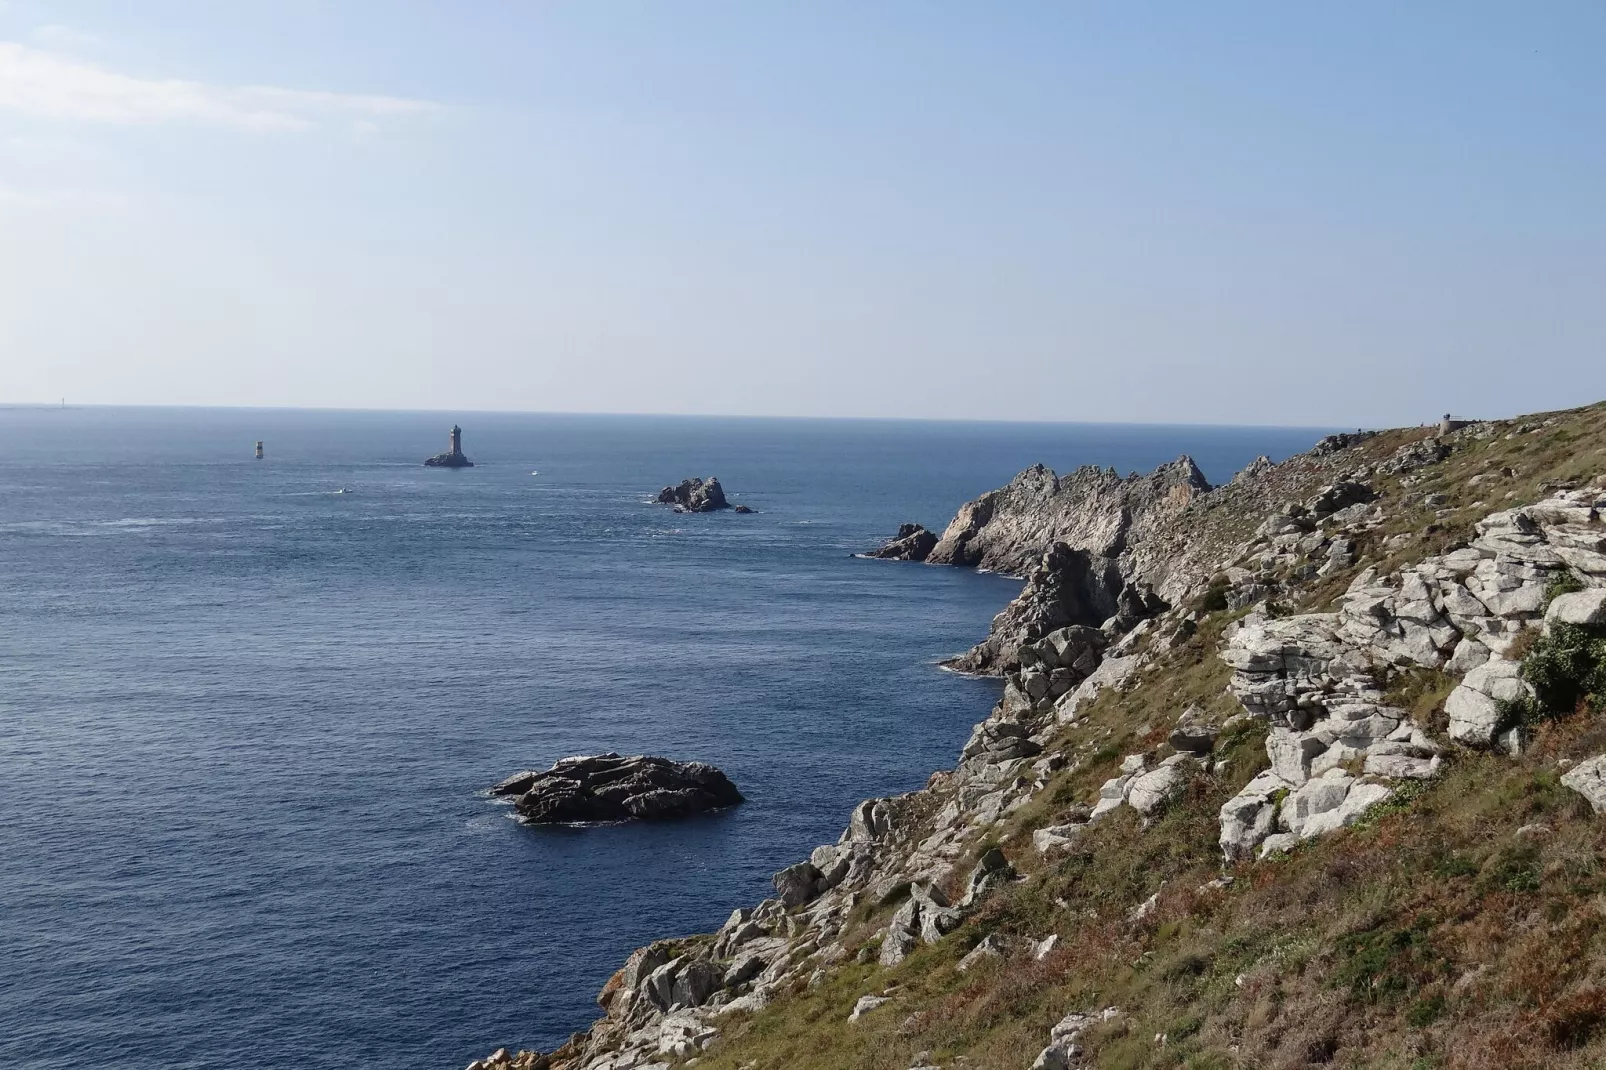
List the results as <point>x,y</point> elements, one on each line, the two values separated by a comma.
<point>609,787</point>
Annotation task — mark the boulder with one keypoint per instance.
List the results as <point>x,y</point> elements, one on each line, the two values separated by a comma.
<point>1148,792</point>
<point>992,870</point>
<point>796,885</point>
<point>1580,607</point>
<point>695,496</point>
<point>609,787</point>
<point>1589,780</point>
<point>991,949</point>
<point>865,1005</point>
<point>1055,838</point>
<point>1250,816</point>
<point>1194,734</point>
<point>1474,706</point>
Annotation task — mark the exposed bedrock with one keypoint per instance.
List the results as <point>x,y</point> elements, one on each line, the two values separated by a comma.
<point>1090,509</point>
<point>912,543</point>
<point>695,496</point>
<point>1077,540</point>
<point>1066,587</point>
<point>609,787</point>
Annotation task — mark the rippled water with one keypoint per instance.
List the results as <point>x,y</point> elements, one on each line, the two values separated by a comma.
<point>246,721</point>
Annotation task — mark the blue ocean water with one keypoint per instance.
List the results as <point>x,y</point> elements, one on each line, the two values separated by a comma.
<point>246,720</point>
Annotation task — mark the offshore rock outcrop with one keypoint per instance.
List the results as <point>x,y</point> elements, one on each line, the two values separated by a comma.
<point>454,456</point>
<point>912,543</point>
<point>609,787</point>
<point>695,495</point>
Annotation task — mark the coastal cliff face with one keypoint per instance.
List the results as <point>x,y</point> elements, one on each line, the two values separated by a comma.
<point>1319,788</point>
<point>1107,552</point>
<point>1091,509</point>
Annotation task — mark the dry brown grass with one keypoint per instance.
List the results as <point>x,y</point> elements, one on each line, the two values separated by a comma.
<point>1430,936</point>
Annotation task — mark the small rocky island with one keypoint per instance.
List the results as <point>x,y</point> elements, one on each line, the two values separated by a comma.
<point>697,496</point>
<point>608,787</point>
<point>453,457</point>
<point>912,543</point>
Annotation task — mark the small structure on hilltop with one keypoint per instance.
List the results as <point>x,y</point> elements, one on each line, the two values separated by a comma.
<point>452,458</point>
<point>1453,423</point>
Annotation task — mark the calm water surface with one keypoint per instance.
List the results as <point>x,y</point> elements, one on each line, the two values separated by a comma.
<point>246,721</point>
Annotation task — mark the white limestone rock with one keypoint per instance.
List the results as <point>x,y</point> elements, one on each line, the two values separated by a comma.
<point>1588,779</point>
<point>1250,816</point>
<point>1148,792</point>
<point>1473,706</point>
<point>865,1005</point>
<point>1580,607</point>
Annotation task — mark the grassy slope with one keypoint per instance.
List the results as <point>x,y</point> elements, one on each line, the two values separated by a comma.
<point>1431,935</point>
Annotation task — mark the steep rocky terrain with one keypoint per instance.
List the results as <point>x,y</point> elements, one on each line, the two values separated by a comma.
<point>1299,771</point>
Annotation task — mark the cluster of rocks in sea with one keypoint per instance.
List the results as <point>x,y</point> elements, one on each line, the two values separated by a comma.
<point>1115,570</point>
<point>698,495</point>
<point>610,787</point>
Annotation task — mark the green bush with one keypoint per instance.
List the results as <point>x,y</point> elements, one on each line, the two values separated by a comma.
<point>1566,667</point>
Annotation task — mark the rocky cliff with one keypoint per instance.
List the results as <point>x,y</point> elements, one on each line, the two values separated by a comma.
<point>1328,799</point>
<point>1107,552</point>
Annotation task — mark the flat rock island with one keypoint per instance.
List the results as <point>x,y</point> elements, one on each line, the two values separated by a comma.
<point>453,457</point>
<point>608,787</point>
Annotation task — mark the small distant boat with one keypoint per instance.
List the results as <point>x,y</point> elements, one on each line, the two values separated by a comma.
<point>343,490</point>
<point>535,473</point>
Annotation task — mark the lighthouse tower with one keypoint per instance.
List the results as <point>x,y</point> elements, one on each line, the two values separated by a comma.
<point>452,458</point>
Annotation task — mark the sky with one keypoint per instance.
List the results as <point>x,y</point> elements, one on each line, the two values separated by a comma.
<point>1323,214</point>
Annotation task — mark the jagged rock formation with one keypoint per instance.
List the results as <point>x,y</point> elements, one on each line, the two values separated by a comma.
<point>608,787</point>
<point>1120,551</point>
<point>923,867</point>
<point>911,543</point>
<point>695,495</point>
<point>1090,509</point>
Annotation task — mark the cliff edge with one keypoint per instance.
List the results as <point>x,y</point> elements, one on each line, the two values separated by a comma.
<point>1333,801</point>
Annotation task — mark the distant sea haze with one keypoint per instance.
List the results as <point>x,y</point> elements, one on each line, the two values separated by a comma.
<point>246,722</point>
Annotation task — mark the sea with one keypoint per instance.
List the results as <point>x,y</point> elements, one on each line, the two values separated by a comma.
<point>249,709</point>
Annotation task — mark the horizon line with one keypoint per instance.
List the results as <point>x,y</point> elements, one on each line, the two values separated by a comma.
<point>62,406</point>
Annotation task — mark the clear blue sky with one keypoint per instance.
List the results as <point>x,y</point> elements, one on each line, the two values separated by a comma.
<point>1338,214</point>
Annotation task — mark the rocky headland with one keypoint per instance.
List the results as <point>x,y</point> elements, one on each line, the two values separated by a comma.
<point>610,787</point>
<point>1299,770</point>
<point>696,495</point>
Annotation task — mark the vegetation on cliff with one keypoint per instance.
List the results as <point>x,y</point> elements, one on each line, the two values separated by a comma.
<point>1458,922</point>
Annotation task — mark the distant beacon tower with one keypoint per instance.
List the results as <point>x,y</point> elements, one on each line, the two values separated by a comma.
<point>259,449</point>
<point>452,458</point>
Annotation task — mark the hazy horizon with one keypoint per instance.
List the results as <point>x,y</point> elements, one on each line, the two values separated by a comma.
<point>1224,216</point>
<point>62,404</point>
